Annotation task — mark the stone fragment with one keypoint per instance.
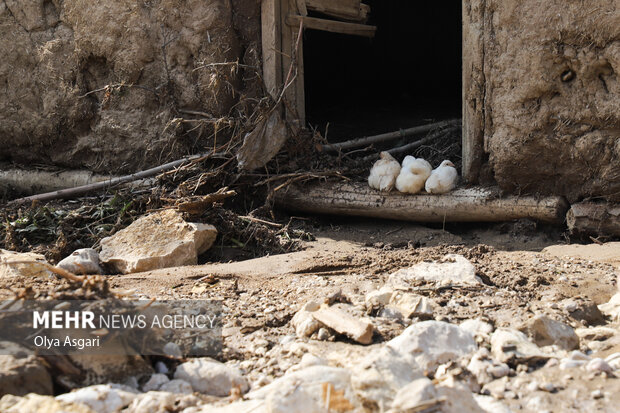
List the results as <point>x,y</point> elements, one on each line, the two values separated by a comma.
<point>340,320</point>
<point>162,402</point>
<point>313,389</point>
<point>612,308</point>
<point>490,404</point>
<point>23,375</point>
<point>155,382</point>
<point>582,309</point>
<point>211,377</point>
<point>304,324</point>
<point>598,365</point>
<point>35,403</point>
<point>414,394</point>
<point>477,328</point>
<point>177,386</point>
<point>545,331</point>
<point>512,345</point>
<point>453,269</point>
<point>596,333</point>
<point>378,298</point>
<point>102,398</point>
<point>27,269</point>
<point>412,305</point>
<point>159,240</point>
<point>432,343</point>
<point>82,261</point>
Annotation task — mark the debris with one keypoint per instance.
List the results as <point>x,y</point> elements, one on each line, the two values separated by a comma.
<point>432,343</point>
<point>82,261</point>
<point>340,320</point>
<point>545,332</point>
<point>23,375</point>
<point>263,142</point>
<point>211,377</point>
<point>453,269</point>
<point>159,240</point>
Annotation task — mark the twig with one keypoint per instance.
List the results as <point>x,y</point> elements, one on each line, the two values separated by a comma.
<point>56,270</point>
<point>369,140</point>
<point>261,221</point>
<point>80,190</point>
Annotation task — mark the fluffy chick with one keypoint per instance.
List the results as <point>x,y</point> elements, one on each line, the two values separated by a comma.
<point>384,172</point>
<point>443,179</point>
<point>413,175</point>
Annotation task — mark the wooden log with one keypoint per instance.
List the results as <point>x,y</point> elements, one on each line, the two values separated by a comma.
<point>462,205</point>
<point>271,45</point>
<point>590,218</point>
<point>333,26</point>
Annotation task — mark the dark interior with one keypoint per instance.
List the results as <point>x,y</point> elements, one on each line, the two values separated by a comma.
<point>408,74</point>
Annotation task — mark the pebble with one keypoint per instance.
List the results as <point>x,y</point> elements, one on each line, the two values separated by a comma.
<point>597,394</point>
<point>160,367</point>
<point>598,365</point>
<point>173,350</point>
<point>548,387</point>
<point>155,382</point>
<point>211,377</point>
<point>323,334</point>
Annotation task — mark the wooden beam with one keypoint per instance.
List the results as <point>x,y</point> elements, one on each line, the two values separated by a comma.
<point>271,44</point>
<point>342,9</point>
<point>333,26</point>
<point>462,205</point>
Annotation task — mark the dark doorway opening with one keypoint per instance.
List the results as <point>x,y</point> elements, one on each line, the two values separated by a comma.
<point>407,75</point>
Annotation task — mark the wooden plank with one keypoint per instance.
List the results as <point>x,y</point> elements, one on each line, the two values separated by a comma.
<point>342,9</point>
<point>462,205</point>
<point>271,44</point>
<point>333,26</point>
<point>474,89</point>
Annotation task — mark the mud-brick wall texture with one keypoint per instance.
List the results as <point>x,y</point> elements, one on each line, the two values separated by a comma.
<point>58,55</point>
<point>542,92</point>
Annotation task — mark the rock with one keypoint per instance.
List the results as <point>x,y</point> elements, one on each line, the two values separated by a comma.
<point>102,398</point>
<point>485,369</point>
<point>453,269</point>
<point>432,343</point>
<point>155,382</point>
<point>104,369</point>
<point>490,404</point>
<point>23,375</point>
<point>582,309</point>
<point>211,377</point>
<point>598,365</point>
<point>378,377</point>
<point>595,333</point>
<point>612,308</point>
<point>308,360</point>
<point>378,298</point>
<point>478,328</point>
<point>82,261</point>
<point>245,406</point>
<point>27,269</point>
<point>412,305</point>
<point>161,402</point>
<point>314,389</point>
<point>458,398</point>
<point>34,403</point>
<point>323,334</point>
<point>159,240</point>
<point>177,386</point>
<point>339,319</point>
<point>545,332</point>
<point>172,350</point>
<point>511,345</point>
<point>414,394</point>
<point>161,367</point>
<point>305,325</point>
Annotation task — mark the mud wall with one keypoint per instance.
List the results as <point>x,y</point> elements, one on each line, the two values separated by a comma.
<point>103,85</point>
<point>542,95</point>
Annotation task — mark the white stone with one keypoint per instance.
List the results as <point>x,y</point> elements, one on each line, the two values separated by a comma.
<point>314,389</point>
<point>161,402</point>
<point>571,364</point>
<point>598,365</point>
<point>173,350</point>
<point>612,308</point>
<point>453,269</point>
<point>378,377</point>
<point>596,333</point>
<point>211,377</point>
<point>412,305</point>
<point>177,386</point>
<point>82,261</point>
<point>309,360</point>
<point>578,355</point>
<point>304,324</point>
<point>35,403</point>
<point>159,240</point>
<point>339,318</point>
<point>432,343</point>
<point>458,398</point>
<point>378,298</point>
<point>155,382</point>
<point>102,398</point>
<point>490,404</point>
<point>545,331</point>
<point>508,344</point>
<point>161,367</point>
<point>413,394</point>
<point>477,327</point>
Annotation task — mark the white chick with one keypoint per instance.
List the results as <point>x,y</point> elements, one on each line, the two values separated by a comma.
<point>384,172</point>
<point>413,175</point>
<point>443,179</point>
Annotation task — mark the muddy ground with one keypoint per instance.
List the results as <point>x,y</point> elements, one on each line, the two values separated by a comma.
<point>526,270</point>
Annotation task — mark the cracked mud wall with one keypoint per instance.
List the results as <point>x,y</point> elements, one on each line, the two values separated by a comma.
<point>542,95</point>
<point>59,55</point>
